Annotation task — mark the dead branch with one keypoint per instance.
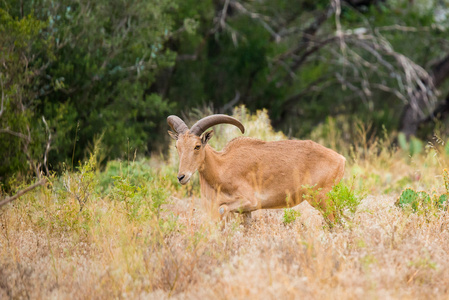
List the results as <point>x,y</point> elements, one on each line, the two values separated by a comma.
<point>310,51</point>
<point>17,134</point>
<point>362,95</point>
<point>47,147</point>
<point>311,87</point>
<point>402,28</point>
<point>231,103</point>
<point>224,12</point>
<point>3,97</point>
<point>258,17</point>
<point>22,192</point>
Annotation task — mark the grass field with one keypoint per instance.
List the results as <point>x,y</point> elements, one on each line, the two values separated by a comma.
<point>130,231</point>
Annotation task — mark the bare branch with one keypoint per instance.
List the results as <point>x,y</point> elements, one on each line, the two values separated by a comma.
<point>402,28</point>
<point>231,103</point>
<point>18,134</point>
<point>385,88</point>
<point>312,50</point>
<point>3,97</point>
<point>223,14</point>
<point>47,147</point>
<point>311,87</point>
<point>257,17</point>
<point>352,87</point>
<point>22,192</point>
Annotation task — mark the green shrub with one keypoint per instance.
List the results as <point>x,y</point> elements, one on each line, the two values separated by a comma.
<point>143,194</point>
<point>290,215</point>
<point>131,195</point>
<point>421,202</point>
<point>69,209</point>
<point>413,199</point>
<point>341,200</point>
<point>413,146</point>
<point>81,185</point>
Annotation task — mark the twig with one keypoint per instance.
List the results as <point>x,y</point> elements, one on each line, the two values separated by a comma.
<point>231,103</point>
<point>3,97</point>
<point>224,13</point>
<point>352,87</point>
<point>22,192</point>
<point>256,16</point>
<point>403,28</point>
<point>47,147</point>
<point>18,134</point>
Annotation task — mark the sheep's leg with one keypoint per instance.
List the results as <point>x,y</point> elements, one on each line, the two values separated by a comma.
<point>246,218</point>
<point>242,206</point>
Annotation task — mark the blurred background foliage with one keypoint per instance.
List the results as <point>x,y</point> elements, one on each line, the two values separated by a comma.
<point>75,74</point>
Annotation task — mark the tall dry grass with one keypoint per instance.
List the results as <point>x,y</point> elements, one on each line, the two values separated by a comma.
<point>141,236</point>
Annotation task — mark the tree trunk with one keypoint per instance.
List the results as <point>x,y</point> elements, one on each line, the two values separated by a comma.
<point>411,116</point>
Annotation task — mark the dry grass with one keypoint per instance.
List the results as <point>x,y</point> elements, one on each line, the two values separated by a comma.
<point>127,249</point>
<point>383,253</point>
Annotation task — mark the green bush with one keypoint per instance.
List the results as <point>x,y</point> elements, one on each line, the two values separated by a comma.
<point>290,215</point>
<point>421,201</point>
<point>413,146</point>
<point>341,200</point>
<point>413,199</point>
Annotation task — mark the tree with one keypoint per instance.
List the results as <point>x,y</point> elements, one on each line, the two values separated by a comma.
<point>313,59</point>
<point>24,58</point>
<point>108,54</point>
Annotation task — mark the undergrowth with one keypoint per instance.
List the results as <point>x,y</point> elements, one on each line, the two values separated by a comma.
<point>342,202</point>
<point>131,231</point>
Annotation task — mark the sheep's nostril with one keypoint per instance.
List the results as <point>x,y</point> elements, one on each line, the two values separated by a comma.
<point>181,177</point>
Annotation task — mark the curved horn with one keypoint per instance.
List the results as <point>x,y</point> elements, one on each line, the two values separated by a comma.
<point>177,124</point>
<point>199,127</point>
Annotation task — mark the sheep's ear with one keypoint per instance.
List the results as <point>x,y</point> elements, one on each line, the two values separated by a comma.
<point>207,136</point>
<point>173,135</point>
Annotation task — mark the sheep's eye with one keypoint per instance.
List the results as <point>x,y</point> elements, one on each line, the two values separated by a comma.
<point>197,147</point>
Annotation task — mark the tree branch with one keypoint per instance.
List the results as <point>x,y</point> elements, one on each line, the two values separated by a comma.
<point>256,16</point>
<point>231,103</point>
<point>3,97</point>
<point>312,50</point>
<point>47,148</point>
<point>22,192</point>
<point>18,134</point>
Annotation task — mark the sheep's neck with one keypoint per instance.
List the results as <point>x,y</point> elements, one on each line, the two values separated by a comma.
<point>209,170</point>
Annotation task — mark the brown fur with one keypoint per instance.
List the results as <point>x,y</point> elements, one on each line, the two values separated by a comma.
<point>250,174</point>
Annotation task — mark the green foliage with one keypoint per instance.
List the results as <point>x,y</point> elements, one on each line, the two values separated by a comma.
<point>136,173</point>
<point>132,196</point>
<point>341,200</point>
<point>116,69</point>
<point>75,193</point>
<point>413,146</point>
<point>144,201</point>
<point>413,199</point>
<point>423,202</point>
<point>25,50</point>
<point>446,180</point>
<point>290,215</point>
<point>81,185</point>
<point>442,200</point>
<point>121,50</point>
<point>142,190</point>
<point>83,197</point>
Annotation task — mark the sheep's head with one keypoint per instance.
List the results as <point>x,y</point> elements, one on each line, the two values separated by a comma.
<point>191,143</point>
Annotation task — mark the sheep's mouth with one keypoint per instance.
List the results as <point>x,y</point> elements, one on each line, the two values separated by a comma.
<point>185,179</point>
